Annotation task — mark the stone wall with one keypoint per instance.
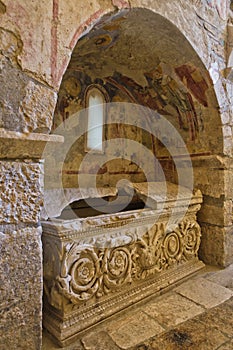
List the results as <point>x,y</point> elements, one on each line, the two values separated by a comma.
<point>21,198</point>
<point>21,267</point>
<point>37,40</point>
<point>26,105</point>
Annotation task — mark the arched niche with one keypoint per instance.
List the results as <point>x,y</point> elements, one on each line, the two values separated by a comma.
<point>140,57</point>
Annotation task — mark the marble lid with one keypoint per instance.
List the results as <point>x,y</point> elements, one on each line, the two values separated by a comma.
<point>55,200</point>
<point>157,194</point>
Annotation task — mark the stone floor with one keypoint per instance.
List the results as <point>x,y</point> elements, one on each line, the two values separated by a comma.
<point>196,314</point>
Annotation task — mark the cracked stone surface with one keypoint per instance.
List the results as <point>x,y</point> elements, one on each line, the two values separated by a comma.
<point>172,310</point>
<point>133,329</point>
<point>222,277</point>
<point>194,320</point>
<point>19,296</point>
<point>204,292</point>
<point>200,332</point>
<point>21,192</point>
<point>99,341</point>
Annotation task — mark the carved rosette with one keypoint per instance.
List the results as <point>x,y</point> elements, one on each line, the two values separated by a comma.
<point>116,268</point>
<point>80,273</point>
<point>173,247</point>
<point>192,238</point>
<point>84,275</point>
<point>88,272</point>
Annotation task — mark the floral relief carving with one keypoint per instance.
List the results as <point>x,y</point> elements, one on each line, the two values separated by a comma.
<point>173,247</point>
<point>116,268</point>
<point>89,272</point>
<point>80,273</point>
<point>192,238</point>
<point>147,255</point>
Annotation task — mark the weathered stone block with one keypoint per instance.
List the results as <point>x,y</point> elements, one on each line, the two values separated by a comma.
<point>209,180</point>
<point>226,117</point>
<point>208,294</point>
<point>216,211</point>
<point>228,146</point>
<point>216,245</point>
<point>11,46</point>
<point>15,145</point>
<point>101,340</point>
<point>133,329</point>
<point>30,108</point>
<point>229,183</point>
<point>229,246</point>
<point>172,310</point>
<point>227,132</point>
<point>36,108</point>
<point>21,287</point>
<point>212,245</point>
<point>21,192</point>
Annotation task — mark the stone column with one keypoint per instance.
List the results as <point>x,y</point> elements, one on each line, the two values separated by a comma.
<point>21,198</point>
<point>214,176</point>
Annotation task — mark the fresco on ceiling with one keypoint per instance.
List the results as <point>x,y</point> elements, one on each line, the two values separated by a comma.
<point>192,78</point>
<point>179,94</point>
<point>103,37</point>
<point>164,95</point>
<point>71,96</point>
<point>171,92</point>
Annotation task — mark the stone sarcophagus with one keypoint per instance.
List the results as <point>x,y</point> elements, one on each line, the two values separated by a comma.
<point>98,265</point>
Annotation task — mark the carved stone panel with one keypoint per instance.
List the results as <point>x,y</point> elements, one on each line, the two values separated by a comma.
<point>93,269</point>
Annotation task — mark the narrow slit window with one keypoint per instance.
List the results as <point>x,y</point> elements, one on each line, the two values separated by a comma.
<point>96,111</point>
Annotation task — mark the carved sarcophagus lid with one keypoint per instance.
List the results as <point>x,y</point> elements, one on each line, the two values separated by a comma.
<point>157,195</point>
<point>95,266</point>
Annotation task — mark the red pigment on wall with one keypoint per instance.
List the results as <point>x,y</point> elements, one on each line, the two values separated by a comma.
<point>75,38</point>
<point>120,4</point>
<point>54,42</point>
<point>194,81</point>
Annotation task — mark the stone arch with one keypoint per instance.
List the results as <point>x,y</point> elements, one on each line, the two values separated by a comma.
<point>193,77</point>
<point>195,13</point>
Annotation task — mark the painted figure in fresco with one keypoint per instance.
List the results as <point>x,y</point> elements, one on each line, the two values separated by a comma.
<point>163,94</point>
<point>194,80</point>
<point>169,94</point>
